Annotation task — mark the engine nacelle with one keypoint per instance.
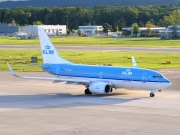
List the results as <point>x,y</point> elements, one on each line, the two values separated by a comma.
<point>99,88</point>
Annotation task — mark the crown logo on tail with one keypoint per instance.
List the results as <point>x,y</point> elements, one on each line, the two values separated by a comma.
<point>48,47</point>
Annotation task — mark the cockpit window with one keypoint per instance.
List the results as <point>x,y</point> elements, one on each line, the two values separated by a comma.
<point>158,76</point>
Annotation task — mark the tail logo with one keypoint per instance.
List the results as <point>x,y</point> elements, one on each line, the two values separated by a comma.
<point>48,47</point>
<point>48,50</point>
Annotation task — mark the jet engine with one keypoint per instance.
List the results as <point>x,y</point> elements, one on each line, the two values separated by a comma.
<point>99,88</point>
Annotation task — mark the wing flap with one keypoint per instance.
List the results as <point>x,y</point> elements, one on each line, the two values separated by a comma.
<point>56,80</point>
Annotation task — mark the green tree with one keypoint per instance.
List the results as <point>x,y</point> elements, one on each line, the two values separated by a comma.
<point>143,17</point>
<point>13,21</point>
<point>68,32</point>
<point>121,24</point>
<point>37,23</point>
<point>140,24</point>
<point>96,31</point>
<point>161,23</point>
<point>106,28</point>
<point>173,18</point>
<point>122,16</point>
<point>128,32</point>
<point>114,27</point>
<point>73,31</point>
<point>136,28</point>
<point>130,15</point>
<point>79,32</point>
<point>148,32</point>
<point>149,25</point>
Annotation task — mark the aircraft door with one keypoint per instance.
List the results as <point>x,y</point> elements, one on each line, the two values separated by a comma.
<point>100,75</point>
<point>144,77</point>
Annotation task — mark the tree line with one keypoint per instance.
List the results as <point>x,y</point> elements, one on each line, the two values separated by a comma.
<point>113,17</point>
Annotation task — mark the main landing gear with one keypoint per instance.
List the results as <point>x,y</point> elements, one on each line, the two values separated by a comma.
<point>87,92</point>
<point>111,90</point>
<point>153,91</point>
<point>152,94</point>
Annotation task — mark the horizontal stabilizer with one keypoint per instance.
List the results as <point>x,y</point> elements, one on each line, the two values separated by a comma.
<point>134,62</point>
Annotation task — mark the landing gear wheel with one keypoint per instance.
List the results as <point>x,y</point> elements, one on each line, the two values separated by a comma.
<point>111,90</point>
<point>87,92</point>
<point>152,94</point>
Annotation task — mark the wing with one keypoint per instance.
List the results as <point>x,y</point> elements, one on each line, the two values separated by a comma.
<point>55,80</point>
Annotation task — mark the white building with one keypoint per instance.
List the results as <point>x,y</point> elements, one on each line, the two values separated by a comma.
<point>50,29</point>
<point>91,30</point>
<point>155,31</point>
<point>124,30</point>
<point>172,32</point>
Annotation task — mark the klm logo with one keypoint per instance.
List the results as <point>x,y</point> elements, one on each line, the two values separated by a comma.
<point>48,50</point>
<point>127,72</point>
<point>97,87</point>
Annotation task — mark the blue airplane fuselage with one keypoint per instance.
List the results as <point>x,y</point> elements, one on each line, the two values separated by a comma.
<point>105,72</point>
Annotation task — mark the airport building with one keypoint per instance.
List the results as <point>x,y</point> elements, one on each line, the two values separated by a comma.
<point>172,32</point>
<point>13,30</point>
<point>8,29</point>
<point>91,30</point>
<point>154,31</point>
<point>51,30</point>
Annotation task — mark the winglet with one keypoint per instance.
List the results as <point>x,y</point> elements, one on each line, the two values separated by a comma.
<point>11,70</point>
<point>134,62</point>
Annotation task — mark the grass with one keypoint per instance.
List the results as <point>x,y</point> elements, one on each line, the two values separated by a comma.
<point>17,41</point>
<point>97,41</point>
<point>20,60</point>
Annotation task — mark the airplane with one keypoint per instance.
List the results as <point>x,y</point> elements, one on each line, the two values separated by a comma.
<point>96,79</point>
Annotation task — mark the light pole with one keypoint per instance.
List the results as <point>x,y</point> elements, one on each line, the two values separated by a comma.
<point>86,30</point>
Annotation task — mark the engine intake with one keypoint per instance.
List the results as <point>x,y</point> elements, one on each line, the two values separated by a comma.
<point>99,88</point>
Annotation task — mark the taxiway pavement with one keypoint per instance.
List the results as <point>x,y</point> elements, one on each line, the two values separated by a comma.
<point>29,107</point>
<point>95,48</point>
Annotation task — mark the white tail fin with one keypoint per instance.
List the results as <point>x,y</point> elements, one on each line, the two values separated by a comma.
<point>134,62</point>
<point>49,53</point>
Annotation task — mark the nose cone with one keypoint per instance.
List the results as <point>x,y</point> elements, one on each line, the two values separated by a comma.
<point>168,82</point>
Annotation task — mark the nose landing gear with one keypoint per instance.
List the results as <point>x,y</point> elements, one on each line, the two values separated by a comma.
<point>154,91</point>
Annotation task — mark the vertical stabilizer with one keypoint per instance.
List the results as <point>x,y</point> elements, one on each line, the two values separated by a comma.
<point>49,52</point>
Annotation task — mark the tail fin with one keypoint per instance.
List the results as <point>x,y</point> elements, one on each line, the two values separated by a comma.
<point>49,53</point>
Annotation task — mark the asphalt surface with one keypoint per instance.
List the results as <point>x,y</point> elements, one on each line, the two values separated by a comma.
<point>94,48</point>
<point>30,107</point>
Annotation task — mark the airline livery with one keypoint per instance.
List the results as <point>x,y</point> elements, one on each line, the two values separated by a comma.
<point>96,79</point>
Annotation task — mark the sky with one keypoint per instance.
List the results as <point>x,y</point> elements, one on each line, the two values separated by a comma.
<point>11,0</point>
